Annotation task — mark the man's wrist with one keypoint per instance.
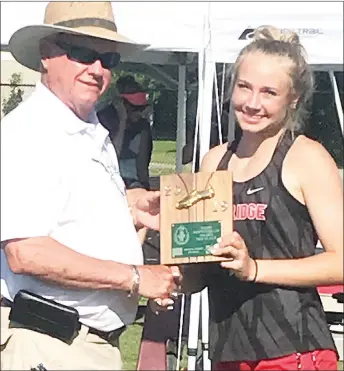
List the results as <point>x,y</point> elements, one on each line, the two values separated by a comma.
<point>135,286</point>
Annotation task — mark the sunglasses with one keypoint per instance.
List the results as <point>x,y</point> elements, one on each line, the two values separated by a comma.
<point>89,56</point>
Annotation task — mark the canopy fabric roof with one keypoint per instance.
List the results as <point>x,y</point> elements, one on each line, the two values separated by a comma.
<point>179,26</point>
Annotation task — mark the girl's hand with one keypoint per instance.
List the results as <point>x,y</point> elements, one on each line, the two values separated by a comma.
<point>233,247</point>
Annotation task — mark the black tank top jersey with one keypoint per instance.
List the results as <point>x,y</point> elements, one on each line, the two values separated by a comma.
<point>248,321</point>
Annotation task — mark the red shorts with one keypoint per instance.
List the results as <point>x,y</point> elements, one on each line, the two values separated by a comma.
<point>325,359</point>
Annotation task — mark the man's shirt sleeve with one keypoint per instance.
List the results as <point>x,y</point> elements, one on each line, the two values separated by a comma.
<point>30,190</point>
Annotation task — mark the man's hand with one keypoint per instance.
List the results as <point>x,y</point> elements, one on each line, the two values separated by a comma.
<point>159,281</point>
<point>146,210</point>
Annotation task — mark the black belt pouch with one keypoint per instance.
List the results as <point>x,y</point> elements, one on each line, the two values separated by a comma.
<point>44,315</point>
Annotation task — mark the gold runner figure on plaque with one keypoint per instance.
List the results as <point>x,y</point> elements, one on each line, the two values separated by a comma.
<point>195,196</point>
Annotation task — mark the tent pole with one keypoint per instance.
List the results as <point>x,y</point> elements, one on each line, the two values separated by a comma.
<point>181,122</point>
<point>195,307</point>
<point>205,119</point>
<point>205,329</point>
<point>337,99</point>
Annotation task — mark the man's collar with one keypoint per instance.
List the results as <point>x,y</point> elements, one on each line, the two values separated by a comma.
<point>68,120</point>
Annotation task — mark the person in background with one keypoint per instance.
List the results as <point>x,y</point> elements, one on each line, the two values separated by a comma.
<point>68,225</point>
<point>137,144</point>
<point>113,117</point>
<point>265,311</point>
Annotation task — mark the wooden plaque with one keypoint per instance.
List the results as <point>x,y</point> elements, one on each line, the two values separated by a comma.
<point>195,209</point>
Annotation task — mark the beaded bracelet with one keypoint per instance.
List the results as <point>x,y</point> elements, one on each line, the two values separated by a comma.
<point>135,283</point>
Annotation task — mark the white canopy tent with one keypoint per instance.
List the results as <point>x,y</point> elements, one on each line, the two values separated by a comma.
<point>216,32</point>
<point>178,26</point>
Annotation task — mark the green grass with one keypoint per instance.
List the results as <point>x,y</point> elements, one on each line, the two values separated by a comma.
<point>163,160</point>
<point>164,151</point>
<point>130,345</point>
<point>130,342</point>
<point>160,171</point>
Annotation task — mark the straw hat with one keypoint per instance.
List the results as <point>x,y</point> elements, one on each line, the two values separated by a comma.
<point>76,18</point>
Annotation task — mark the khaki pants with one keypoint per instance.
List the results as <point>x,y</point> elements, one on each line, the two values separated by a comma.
<point>22,349</point>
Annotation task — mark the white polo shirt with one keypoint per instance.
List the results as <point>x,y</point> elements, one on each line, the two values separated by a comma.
<point>60,178</point>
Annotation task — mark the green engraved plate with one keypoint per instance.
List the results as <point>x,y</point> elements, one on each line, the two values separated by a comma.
<point>194,239</point>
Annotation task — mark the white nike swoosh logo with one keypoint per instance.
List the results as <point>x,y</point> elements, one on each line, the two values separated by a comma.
<point>251,191</point>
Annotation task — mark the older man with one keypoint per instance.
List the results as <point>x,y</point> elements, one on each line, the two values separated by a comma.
<point>68,233</point>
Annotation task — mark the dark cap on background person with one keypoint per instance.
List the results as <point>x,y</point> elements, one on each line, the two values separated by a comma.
<point>131,91</point>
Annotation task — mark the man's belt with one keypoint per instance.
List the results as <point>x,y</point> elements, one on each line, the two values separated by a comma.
<point>109,336</point>
<point>5,302</point>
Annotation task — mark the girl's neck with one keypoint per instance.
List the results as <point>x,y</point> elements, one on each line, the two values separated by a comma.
<point>251,142</point>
